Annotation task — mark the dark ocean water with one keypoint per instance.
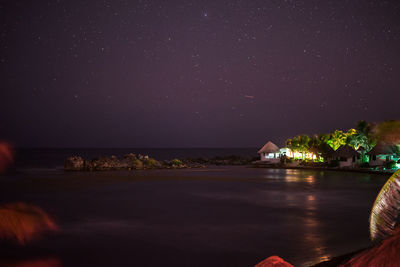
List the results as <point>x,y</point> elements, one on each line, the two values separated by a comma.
<point>53,158</point>
<point>218,216</point>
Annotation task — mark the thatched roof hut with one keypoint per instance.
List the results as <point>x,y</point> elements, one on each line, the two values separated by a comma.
<point>269,148</point>
<point>345,151</point>
<point>381,149</point>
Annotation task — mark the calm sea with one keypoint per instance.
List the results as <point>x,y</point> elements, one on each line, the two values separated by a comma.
<point>218,216</point>
<point>53,158</point>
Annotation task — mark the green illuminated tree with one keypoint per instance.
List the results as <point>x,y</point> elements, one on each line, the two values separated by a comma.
<point>356,141</point>
<point>362,139</point>
<point>293,144</point>
<point>304,143</point>
<point>337,139</point>
<point>364,129</point>
<point>299,143</point>
<point>351,132</point>
<point>318,145</point>
<point>289,144</point>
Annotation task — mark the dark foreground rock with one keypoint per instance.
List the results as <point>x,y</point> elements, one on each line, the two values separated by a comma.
<point>383,253</point>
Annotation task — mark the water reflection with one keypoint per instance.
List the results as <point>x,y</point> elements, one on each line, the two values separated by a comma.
<point>310,179</point>
<point>23,223</point>
<point>295,176</point>
<point>312,233</point>
<point>291,175</point>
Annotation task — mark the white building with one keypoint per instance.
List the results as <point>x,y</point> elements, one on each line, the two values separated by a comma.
<point>381,154</point>
<point>270,153</point>
<point>347,157</point>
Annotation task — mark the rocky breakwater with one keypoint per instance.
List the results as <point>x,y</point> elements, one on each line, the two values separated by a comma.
<point>232,160</point>
<point>128,162</point>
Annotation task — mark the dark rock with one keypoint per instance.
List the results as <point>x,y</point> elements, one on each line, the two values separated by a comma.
<point>74,164</point>
<point>130,156</point>
<point>150,163</point>
<point>137,162</point>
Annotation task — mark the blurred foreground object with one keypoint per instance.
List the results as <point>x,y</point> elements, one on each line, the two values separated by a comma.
<point>388,132</point>
<point>49,262</point>
<point>384,229</point>
<point>6,156</point>
<point>274,261</point>
<point>23,223</point>
<point>385,253</point>
<point>386,209</point>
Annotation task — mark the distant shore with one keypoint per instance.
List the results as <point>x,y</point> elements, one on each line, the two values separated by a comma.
<point>133,161</point>
<point>386,172</point>
<point>143,162</point>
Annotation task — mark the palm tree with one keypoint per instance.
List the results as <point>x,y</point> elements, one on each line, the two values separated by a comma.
<point>304,143</point>
<point>323,148</point>
<point>299,143</point>
<point>385,211</point>
<point>364,138</point>
<point>356,140</point>
<point>295,143</point>
<point>364,129</point>
<point>337,139</point>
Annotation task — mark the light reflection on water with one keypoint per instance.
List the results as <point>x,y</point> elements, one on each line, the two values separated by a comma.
<point>312,232</point>
<point>290,176</point>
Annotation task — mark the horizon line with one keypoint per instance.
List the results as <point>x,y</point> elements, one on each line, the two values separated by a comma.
<point>44,147</point>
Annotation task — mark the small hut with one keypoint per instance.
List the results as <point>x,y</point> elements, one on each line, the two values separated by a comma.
<point>347,157</point>
<point>269,153</point>
<point>380,154</point>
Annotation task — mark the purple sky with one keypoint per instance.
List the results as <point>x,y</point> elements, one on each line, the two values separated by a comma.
<point>194,73</point>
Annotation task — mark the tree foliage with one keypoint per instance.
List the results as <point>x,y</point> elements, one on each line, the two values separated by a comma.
<point>364,137</point>
<point>300,143</point>
<point>337,139</point>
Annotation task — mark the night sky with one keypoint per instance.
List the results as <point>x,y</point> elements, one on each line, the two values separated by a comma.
<point>194,73</point>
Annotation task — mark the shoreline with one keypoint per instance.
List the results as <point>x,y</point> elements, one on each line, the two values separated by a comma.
<point>133,162</point>
<point>323,169</point>
<point>202,168</point>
